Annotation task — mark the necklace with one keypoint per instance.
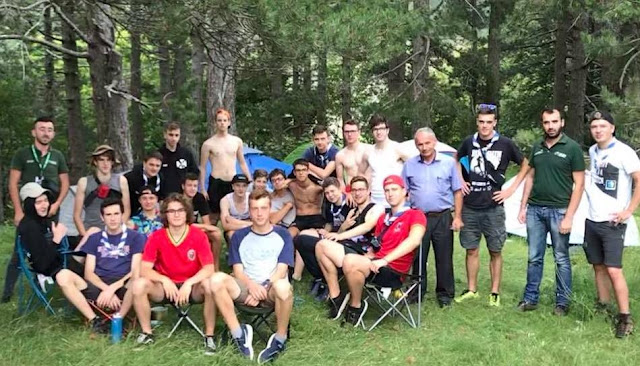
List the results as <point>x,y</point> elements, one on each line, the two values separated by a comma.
<point>180,239</point>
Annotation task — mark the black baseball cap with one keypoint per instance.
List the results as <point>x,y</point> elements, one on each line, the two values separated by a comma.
<point>240,178</point>
<point>601,115</point>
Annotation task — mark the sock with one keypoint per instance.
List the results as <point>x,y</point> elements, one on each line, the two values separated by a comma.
<point>236,333</point>
<point>280,338</point>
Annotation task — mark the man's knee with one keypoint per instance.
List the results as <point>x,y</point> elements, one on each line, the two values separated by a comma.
<point>140,287</point>
<point>64,278</point>
<point>282,289</point>
<point>353,263</point>
<point>495,255</point>
<point>473,253</point>
<point>217,282</point>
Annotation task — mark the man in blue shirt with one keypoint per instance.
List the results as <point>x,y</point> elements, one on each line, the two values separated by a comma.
<point>435,186</point>
<point>260,256</point>
<point>322,155</point>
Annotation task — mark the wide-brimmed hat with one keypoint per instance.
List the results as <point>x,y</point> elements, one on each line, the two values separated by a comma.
<point>104,149</point>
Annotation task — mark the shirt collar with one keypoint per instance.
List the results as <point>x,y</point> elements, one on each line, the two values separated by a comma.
<point>435,158</point>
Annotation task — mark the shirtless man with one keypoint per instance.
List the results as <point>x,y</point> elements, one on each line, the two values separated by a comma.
<point>351,161</point>
<point>222,150</point>
<point>308,200</point>
<point>384,159</point>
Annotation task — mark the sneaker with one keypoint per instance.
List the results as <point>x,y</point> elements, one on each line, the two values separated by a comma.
<point>323,293</point>
<point>354,316</point>
<point>624,325</point>
<point>244,343</point>
<point>97,326</point>
<point>272,351</point>
<point>209,345</point>
<point>526,306</point>
<point>604,309</point>
<point>144,339</point>
<point>315,286</point>
<point>494,299</point>
<point>466,295</point>
<point>561,310</point>
<point>337,305</point>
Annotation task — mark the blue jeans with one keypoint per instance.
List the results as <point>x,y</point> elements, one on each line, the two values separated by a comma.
<point>540,221</point>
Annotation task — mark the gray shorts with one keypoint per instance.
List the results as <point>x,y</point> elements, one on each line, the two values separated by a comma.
<point>244,292</point>
<point>488,222</point>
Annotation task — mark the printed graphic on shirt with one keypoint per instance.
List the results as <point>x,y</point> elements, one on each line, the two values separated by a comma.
<point>485,166</point>
<point>606,177</point>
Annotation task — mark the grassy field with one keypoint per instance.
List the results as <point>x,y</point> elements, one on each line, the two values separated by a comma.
<point>469,333</point>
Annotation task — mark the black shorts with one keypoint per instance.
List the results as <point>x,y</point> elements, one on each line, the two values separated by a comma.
<point>218,188</point>
<point>386,277</point>
<point>92,292</point>
<point>303,222</point>
<point>72,265</point>
<point>352,247</point>
<point>604,242</point>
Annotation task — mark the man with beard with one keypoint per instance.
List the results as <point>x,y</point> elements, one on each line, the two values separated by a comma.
<point>551,196</point>
<point>42,164</point>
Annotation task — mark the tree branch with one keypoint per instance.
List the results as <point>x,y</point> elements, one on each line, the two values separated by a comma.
<point>44,43</point>
<point>111,89</point>
<point>71,24</point>
<point>23,8</point>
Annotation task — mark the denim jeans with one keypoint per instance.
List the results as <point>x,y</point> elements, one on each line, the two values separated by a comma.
<point>540,221</point>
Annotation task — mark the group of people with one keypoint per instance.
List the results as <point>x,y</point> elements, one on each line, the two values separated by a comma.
<point>152,235</point>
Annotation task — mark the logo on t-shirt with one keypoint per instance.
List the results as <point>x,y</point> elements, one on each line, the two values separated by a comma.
<point>181,163</point>
<point>191,255</point>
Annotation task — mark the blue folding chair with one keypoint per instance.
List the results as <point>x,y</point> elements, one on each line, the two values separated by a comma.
<point>40,294</point>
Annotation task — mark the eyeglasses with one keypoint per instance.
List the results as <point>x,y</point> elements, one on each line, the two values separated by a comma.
<point>378,129</point>
<point>175,212</point>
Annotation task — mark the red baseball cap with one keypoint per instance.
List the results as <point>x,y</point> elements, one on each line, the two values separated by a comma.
<point>393,179</point>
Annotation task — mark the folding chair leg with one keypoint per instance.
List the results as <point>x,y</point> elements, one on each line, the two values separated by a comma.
<point>183,314</point>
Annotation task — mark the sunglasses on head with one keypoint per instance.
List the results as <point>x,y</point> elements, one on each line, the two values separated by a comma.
<point>486,107</point>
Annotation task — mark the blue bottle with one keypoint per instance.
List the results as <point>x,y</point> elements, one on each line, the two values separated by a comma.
<point>116,328</point>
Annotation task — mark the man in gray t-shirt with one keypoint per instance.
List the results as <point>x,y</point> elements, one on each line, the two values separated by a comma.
<point>283,210</point>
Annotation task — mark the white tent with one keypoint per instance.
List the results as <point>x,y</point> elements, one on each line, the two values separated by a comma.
<point>512,207</point>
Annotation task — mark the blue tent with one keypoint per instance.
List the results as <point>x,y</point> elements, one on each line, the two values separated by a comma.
<point>256,159</point>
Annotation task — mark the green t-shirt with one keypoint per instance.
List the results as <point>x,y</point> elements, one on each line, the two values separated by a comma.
<point>553,179</point>
<point>30,167</point>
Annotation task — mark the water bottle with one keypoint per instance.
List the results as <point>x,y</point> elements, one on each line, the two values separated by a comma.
<point>116,328</point>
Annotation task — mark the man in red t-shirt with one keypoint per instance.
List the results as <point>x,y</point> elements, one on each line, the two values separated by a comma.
<point>398,234</point>
<point>177,263</point>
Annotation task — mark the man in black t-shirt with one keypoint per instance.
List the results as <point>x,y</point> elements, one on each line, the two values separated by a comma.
<point>147,174</point>
<point>484,158</point>
<point>201,212</point>
<point>177,160</point>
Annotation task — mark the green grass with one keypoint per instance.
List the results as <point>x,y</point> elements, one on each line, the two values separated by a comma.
<point>470,333</point>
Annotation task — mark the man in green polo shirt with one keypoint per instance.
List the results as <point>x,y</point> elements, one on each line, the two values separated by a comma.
<point>44,165</point>
<point>552,190</point>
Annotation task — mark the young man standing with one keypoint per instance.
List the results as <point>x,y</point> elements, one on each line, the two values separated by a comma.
<point>551,196</point>
<point>234,207</point>
<point>322,155</point>
<point>283,210</point>
<point>260,256</point>
<point>177,264</point>
<point>484,158</point>
<point>177,160</point>
<point>42,164</point>
<point>147,174</point>
<point>351,160</point>
<point>201,214</point>
<point>222,151</point>
<point>384,158</point>
<point>148,219</point>
<point>615,173</point>
<point>113,258</point>
<point>399,233</point>
<point>93,189</point>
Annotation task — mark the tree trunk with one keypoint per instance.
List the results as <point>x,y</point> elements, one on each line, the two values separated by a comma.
<point>345,88</point>
<point>221,85</point>
<point>49,69</point>
<point>198,61</point>
<point>72,85</point>
<point>164,72</point>
<point>577,82</point>
<point>560,62</point>
<point>135,111</point>
<point>420,89</point>
<point>275,106</point>
<point>105,68</point>
<point>321,108</point>
<point>396,85</point>
<point>493,53</point>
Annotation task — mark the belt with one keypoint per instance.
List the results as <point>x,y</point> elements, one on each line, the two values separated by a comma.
<point>438,213</point>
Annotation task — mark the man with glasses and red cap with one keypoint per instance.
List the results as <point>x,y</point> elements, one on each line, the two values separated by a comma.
<point>484,158</point>
<point>398,233</point>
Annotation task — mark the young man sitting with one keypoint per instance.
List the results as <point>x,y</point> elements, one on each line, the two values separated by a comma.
<point>283,210</point>
<point>113,257</point>
<point>398,233</point>
<point>357,239</point>
<point>260,256</point>
<point>234,207</point>
<point>148,219</point>
<point>177,264</point>
<point>201,212</point>
<point>260,179</point>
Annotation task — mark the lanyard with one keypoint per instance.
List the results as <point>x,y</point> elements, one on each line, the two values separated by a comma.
<point>36,157</point>
<point>484,150</point>
<point>600,164</point>
<point>117,251</point>
<point>336,214</point>
<point>146,180</point>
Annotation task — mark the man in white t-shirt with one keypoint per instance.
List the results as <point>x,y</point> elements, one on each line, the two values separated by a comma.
<point>615,168</point>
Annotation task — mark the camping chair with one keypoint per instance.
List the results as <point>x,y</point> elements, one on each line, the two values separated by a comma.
<point>183,314</point>
<point>35,281</point>
<point>394,301</point>
<point>106,315</point>
<point>258,318</point>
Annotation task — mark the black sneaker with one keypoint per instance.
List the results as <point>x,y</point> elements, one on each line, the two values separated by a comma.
<point>323,292</point>
<point>526,306</point>
<point>209,345</point>
<point>337,305</point>
<point>144,339</point>
<point>561,310</point>
<point>97,326</point>
<point>315,286</point>
<point>354,316</point>
<point>624,325</point>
